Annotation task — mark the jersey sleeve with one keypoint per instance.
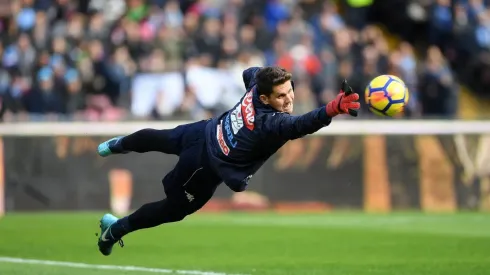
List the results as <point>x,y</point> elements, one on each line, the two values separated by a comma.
<point>290,127</point>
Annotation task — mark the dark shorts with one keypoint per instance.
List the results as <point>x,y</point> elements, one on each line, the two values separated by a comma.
<point>192,182</point>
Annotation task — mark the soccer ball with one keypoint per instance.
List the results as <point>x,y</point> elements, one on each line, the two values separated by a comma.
<point>386,95</point>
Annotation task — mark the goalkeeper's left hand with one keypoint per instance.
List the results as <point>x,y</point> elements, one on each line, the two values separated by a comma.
<point>346,102</point>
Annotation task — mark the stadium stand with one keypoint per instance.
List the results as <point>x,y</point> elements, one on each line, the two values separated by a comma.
<point>169,59</point>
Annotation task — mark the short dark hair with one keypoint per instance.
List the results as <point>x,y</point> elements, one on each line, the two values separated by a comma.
<point>269,77</point>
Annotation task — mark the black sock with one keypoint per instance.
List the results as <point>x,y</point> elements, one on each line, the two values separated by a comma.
<point>149,215</point>
<point>148,140</point>
<point>120,228</point>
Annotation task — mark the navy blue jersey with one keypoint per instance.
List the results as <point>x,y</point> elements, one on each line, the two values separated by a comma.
<point>242,139</point>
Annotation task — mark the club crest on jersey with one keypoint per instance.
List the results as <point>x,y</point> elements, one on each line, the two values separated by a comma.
<point>248,111</point>
<point>236,119</point>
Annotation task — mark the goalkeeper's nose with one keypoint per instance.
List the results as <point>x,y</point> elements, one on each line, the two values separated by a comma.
<point>289,98</point>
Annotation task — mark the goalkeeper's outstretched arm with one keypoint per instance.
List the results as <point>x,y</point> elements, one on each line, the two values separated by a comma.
<point>291,127</point>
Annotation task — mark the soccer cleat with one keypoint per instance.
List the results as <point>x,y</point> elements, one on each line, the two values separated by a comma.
<point>111,146</point>
<point>106,240</point>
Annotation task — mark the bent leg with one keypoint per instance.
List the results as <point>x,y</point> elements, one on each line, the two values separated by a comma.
<point>157,213</point>
<point>189,186</point>
<point>180,203</point>
<point>150,215</point>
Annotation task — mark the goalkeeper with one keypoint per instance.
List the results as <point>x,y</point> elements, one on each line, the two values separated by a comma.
<point>229,148</point>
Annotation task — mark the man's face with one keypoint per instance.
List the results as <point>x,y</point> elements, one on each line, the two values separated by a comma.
<point>281,98</point>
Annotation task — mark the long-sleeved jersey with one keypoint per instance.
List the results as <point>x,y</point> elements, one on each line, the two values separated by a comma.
<point>242,139</point>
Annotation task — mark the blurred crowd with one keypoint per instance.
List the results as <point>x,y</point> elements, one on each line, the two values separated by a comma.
<point>462,30</point>
<point>173,59</point>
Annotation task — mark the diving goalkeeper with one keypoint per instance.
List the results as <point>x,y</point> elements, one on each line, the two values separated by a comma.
<point>229,148</point>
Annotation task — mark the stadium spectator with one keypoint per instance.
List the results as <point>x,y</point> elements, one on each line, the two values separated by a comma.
<point>169,59</point>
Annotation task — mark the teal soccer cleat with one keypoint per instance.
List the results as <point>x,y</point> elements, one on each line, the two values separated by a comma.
<point>106,239</point>
<point>110,147</point>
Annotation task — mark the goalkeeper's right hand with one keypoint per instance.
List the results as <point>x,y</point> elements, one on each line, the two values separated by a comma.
<point>346,102</point>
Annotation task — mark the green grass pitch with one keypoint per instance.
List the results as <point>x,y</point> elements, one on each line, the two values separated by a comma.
<point>265,244</point>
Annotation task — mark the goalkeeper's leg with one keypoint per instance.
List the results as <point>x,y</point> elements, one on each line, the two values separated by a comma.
<point>182,200</point>
<point>169,141</point>
<point>189,186</point>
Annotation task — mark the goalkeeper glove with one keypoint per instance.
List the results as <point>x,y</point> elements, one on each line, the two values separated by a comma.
<point>346,102</point>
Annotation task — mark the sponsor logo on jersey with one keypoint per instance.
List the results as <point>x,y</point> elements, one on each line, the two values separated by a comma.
<point>221,141</point>
<point>242,114</point>
<point>229,135</point>
<point>248,111</point>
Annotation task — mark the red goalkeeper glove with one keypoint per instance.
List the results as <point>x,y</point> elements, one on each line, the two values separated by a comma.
<point>346,102</point>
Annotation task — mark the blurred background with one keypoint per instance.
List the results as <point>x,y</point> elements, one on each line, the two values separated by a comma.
<point>182,60</point>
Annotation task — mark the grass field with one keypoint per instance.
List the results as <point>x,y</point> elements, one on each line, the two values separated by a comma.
<point>268,244</point>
